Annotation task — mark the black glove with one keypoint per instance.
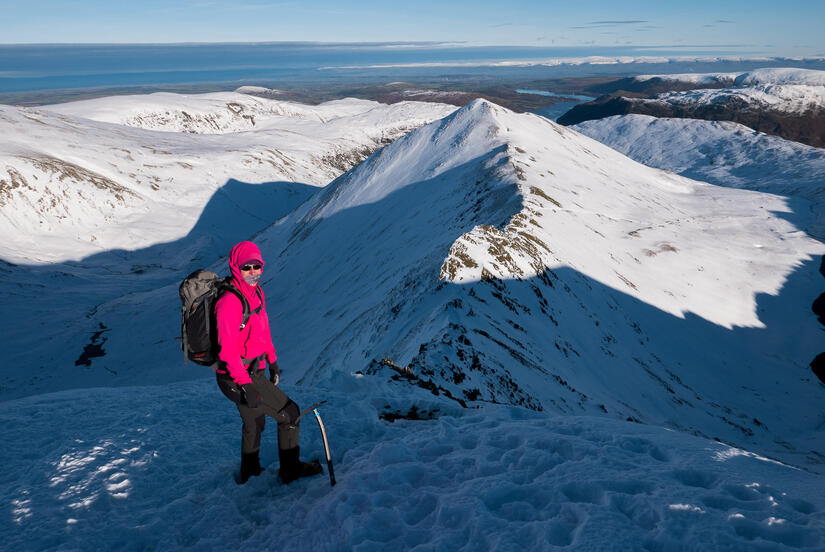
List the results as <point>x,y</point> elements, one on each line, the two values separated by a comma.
<point>274,373</point>
<point>292,411</point>
<point>250,395</point>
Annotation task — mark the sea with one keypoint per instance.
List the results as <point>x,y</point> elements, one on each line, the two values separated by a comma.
<point>38,67</point>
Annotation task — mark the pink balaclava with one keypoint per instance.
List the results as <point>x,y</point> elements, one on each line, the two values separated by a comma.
<point>243,253</point>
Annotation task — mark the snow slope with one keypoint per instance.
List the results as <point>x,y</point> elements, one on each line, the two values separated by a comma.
<point>71,187</point>
<point>789,98</point>
<point>647,335</point>
<point>774,75</point>
<point>692,78</point>
<point>507,259</point>
<point>215,113</point>
<point>91,211</point>
<point>785,102</point>
<point>782,75</point>
<point>494,478</point>
<point>722,153</point>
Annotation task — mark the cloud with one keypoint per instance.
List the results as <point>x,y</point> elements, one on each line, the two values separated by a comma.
<point>609,23</point>
<point>497,25</point>
<point>722,21</point>
<point>660,46</point>
<point>625,22</point>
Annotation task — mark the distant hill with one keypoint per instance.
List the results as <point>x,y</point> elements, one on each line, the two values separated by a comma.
<point>789,103</point>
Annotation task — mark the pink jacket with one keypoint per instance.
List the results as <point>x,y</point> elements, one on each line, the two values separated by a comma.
<point>254,339</point>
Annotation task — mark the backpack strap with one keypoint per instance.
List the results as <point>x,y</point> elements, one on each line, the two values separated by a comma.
<point>228,286</point>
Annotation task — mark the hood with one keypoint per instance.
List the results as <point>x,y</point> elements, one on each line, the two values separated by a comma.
<point>241,254</point>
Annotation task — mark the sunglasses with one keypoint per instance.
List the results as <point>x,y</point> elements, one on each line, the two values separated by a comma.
<point>248,267</point>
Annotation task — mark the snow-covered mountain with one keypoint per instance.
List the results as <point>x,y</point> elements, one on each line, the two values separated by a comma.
<point>785,102</point>
<point>76,181</point>
<point>94,210</point>
<point>697,80</point>
<point>722,153</point>
<point>230,112</point>
<point>500,258</point>
<point>770,76</point>
<point>506,259</point>
<point>646,86</point>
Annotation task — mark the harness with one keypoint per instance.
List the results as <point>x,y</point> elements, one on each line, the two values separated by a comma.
<point>252,363</point>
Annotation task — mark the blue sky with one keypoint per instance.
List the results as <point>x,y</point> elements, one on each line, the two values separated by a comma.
<point>791,27</point>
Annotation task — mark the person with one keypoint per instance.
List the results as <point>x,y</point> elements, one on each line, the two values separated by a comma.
<point>243,354</point>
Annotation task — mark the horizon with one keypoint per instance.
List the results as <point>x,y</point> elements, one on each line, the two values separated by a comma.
<point>599,50</point>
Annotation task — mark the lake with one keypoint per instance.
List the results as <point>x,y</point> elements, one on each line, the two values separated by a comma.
<point>558,109</point>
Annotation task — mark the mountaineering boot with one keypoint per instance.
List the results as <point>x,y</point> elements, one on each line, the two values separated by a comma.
<point>292,468</point>
<point>250,465</point>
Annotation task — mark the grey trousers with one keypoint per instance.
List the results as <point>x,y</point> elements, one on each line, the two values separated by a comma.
<point>273,401</point>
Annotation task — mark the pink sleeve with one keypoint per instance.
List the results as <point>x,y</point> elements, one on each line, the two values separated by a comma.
<point>229,314</point>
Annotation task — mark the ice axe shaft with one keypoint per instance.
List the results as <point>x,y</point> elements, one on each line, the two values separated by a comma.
<point>326,446</point>
<point>314,410</point>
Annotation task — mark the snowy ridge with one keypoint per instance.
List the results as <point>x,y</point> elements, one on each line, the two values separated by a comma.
<point>776,75</point>
<point>72,186</point>
<point>785,102</point>
<point>777,89</point>
<point>648,335</point>
<point>93,212</point>
<point>215,113</point>
<point>483,252</point>
<point>782,75</point>
<point>790,98</point>
<point>722,153</point>
<point>692,78</point>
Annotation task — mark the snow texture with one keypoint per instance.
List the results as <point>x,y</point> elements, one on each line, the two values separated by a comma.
<point>722,153</point>
<point>778,89</point>
<point>692,78</point>
<point>601,355</point>
<point>776,75</point>
<point>76,179</point>
<point>122,469</point>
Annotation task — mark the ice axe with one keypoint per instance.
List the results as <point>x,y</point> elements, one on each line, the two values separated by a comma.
<point>314,410</point>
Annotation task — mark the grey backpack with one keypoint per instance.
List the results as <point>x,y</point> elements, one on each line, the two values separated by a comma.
<point>198,294</point>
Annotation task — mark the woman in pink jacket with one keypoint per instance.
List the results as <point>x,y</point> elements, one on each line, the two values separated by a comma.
<point>244,351</point>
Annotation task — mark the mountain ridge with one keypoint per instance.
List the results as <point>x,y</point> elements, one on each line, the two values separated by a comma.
<point>789,103</point>
<point>506,259</point>
<point>468,313</point>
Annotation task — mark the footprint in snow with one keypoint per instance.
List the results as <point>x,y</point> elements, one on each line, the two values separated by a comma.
<point>696,478</point>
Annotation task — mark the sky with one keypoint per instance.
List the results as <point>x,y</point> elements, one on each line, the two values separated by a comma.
<point>792,27</point>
